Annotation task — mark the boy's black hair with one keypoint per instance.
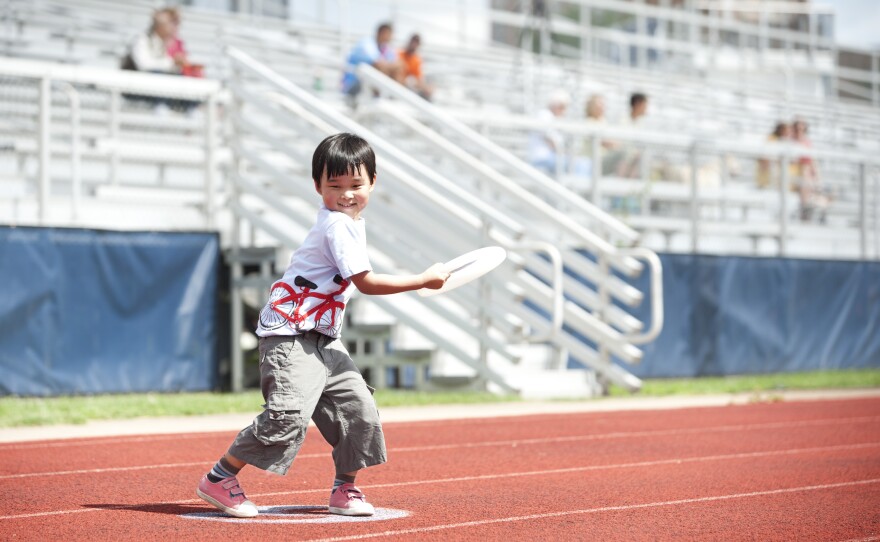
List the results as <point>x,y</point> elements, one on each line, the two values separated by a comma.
<point>637,98</point>
<point>341,154</point>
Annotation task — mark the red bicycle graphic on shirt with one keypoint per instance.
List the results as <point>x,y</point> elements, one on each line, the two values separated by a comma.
<point>285,306</point>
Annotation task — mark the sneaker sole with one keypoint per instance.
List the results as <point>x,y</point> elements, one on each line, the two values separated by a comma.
<point>347,512</point>
<point>230,511</point>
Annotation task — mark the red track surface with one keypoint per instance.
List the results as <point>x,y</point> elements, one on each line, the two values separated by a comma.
<point>779,471</point>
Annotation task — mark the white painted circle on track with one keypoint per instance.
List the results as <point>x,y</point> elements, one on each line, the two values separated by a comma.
<point>298,514</point>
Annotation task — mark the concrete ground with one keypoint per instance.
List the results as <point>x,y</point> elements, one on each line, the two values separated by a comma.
<point>234,422</point>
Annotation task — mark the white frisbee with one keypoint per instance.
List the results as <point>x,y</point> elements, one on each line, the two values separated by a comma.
<point>468,267</point>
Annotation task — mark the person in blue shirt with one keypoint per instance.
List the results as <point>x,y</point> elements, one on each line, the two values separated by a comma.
<point>376,51</point>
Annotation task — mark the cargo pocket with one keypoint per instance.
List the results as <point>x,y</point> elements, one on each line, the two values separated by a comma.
<point>280,422</point>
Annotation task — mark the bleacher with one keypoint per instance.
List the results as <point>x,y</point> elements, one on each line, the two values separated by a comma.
<point>113,162</point>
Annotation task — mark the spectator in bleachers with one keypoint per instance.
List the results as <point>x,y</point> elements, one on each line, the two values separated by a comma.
<point>546,144</point>
<point>626,161</point>
<point>638,107</point>
<point>412,68</point>
<point>814,198</point>
<point>160,50</point>
<point>766,176</point>
<point>377,52</point>
<point>595,115</point>
<point>177,50</point>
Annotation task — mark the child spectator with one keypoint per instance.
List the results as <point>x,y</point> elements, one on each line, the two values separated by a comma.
<point>814,198</point>
<point>765,177</point>
<point>305,371</point>
<point>412,68</point>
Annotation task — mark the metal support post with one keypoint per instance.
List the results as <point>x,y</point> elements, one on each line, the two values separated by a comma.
<point>641,50</point>
<point>75,177</point>
<point>44,144</point>
<point>863,211</point>
<point>586,39</point>
<point>601,313</point>
<point>783,207</point>
<point>875,79</point>
<point>114,136</point>
<point>876,212</point>
<point>210,159</point>
<point>483,316</point>
<point>595,168</point>
<point>695,203</point>
<point>236,317</point>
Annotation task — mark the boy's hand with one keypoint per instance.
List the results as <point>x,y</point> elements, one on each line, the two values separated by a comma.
<point>435,277</point>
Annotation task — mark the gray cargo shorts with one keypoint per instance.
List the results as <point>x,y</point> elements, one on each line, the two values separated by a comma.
<point>311,376</point>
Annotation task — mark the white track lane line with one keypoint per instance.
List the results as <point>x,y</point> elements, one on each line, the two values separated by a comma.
<point>510,519</point>
<point>464,445</point>
<point>103,441</point>
<point>639,464</point>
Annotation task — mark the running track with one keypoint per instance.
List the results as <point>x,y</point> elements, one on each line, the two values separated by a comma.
<point>771,471</point>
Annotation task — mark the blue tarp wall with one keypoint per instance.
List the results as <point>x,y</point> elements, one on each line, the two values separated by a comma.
<point>738,315</point>
<point>85,311</point>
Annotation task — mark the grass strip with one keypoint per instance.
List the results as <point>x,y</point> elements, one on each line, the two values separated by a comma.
<point>33,411</point>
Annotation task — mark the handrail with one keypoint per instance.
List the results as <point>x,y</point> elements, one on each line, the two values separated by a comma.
<point>317,114</point>
<point>471,136</point>
<point>764,149</point>
<point>698,19</point>
<point>75,174</point>
<point>656,295</point>
<point>116,82</point>
<point>490,173</point>
<point>558,315</point>
<point>257,67</point>
<point>127,81</point>
<point>437,140</point>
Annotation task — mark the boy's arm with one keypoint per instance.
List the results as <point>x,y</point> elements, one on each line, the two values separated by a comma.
<point>378,284</point>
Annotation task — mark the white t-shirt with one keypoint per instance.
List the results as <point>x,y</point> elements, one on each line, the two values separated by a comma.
<point>315,288</point>
<point>150,54</point>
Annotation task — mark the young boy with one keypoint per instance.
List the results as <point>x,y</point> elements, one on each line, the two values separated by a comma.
<point>305,371</point>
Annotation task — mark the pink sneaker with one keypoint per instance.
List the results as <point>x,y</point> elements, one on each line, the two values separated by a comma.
<point>228,496</point>
<point>347,500</point>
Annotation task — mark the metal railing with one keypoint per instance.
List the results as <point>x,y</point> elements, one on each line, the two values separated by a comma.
<point>470,221</point>
<point>105,90</point>
<point>547,193</point>
<point>852,176</point>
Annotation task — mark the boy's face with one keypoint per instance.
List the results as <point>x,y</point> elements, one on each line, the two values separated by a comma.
<point>347,193</point>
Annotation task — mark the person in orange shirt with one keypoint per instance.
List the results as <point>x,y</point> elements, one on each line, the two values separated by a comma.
<point>412,68</point>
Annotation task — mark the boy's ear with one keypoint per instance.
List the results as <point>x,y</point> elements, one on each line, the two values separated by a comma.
<point>373,183</point>
<point>318,187</point>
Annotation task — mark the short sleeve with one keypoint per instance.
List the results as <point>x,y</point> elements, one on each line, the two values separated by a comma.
<point>365,52</point>
<point>348,247</point>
